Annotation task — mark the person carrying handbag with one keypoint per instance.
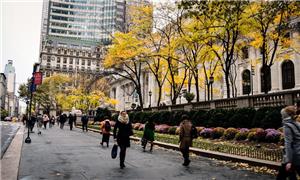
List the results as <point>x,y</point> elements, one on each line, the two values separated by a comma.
<point>122,131</point>
<point>291,159</point>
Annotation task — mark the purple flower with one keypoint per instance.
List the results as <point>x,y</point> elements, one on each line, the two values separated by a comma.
<point>206,132</point>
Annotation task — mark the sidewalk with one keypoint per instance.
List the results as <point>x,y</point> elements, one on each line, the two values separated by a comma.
<point>64,154</point>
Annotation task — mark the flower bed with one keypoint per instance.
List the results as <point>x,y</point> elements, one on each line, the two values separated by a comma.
<point>237,134</point>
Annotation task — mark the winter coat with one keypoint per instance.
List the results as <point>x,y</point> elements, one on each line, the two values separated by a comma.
<point>291,141</point>
<point>102,127</point>
<point>149,131</point>
<point>122,131</point>
<point>39,121</point>
<point>84,119</point>
<point>71,119</point>
<point>185,136</point>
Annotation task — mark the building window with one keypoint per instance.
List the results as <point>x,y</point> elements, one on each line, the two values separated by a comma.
<point>246,81</point>
<point>77,53</point>
<point>58,60</point>
<point>48,59</point>
<point>65,51</point>
<point>82,62</point>
<point>245,52</point>
<point>71,53</point>
<point>58,51</point>
<point>288,74</point>
<point>90,55</point>
<point>49,50</point>
<point>71,61</point>
<point>77,61</point>
<point>89,62</point>
<point>65,60</point>
<point>83,53</point>
<point>265,84</point>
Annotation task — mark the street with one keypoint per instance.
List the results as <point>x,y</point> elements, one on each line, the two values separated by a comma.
<point>8,131</point>
<point>65,154</point>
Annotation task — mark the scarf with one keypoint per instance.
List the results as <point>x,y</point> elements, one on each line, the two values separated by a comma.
<point>123,120</point>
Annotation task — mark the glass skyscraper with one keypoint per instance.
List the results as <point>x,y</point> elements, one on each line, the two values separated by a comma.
<point>92,20</point>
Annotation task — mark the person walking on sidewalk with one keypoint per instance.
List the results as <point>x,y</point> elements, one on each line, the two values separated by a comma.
<point>122,131</point>
<point>45,120</point>
<point>148,135</point>
<point>291,159</point>
<point>39,122</point>
<point>32,122</point>
<point>105,129</point>
<point>185,138</point>
<point>84,121</point>
<point>52,121</point>
<point>62,120</point>
<point>71,121</point>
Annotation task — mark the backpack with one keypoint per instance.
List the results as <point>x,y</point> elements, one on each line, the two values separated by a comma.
<point>194,132</point>
<point>107,126</point>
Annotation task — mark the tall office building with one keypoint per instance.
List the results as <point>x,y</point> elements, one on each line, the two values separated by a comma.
<point>10,74</point>
<point>75,33</point>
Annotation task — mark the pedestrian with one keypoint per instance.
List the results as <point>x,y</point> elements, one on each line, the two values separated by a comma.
<point>105,129</point>
<point>291,159</point>
<point>185,138</point>
<point>62,120</point>
<point>148,135</point>
<point>84,121</point>
<point>45,120</point>
<point>71,119</point>
<point>122,131</point>
<point>32,122</point>
<point>24,119</point>
<point>58,120</point>
<point>75,118</point>
<point>52,121</point>
<point>39,122</point>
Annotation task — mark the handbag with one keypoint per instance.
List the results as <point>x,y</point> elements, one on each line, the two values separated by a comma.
<point>114,151</point>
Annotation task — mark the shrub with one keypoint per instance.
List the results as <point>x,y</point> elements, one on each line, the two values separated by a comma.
<point>272,136</point>
<point>163,128</point>
<point>172,130</point>
<point>242,134</point>
<point>230,133</point>
<point>260,134</point>
<point>242,118</point>
<point>199,129</point>
<point>101,113</point>
<point>199,118</point>
<point>206,133</point>
<point>189,96</point>
<point>217,132</point>
<point>251,136</point>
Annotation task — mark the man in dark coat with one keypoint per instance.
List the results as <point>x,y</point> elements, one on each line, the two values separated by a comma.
<point>124,128</point>
<point>71,121</point>
<point>84,121</point>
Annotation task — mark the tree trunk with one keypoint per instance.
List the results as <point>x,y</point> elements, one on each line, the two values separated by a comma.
<point>139,91</point>
<point>159,96</point>
<point>227,84</point>
<point>197,87</point>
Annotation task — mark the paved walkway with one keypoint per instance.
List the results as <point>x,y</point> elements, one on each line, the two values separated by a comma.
<point>64,154</point>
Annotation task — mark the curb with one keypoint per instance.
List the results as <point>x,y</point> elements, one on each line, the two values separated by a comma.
<point>214,154</point>
<point>11,159</point>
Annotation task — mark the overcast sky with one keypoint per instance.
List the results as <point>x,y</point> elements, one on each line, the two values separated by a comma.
<point>20,35</point>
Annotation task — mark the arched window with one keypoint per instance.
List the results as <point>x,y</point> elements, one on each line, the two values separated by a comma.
<point>288,74</point>
<point>246,81</point>
<point>265,86</point>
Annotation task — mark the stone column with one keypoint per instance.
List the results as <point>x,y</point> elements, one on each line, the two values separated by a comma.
<point>275,76</point>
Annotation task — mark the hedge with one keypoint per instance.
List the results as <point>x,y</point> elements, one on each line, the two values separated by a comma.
<point>267,117</point>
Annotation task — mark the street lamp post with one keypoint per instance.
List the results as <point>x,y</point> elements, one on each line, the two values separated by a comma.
<point>150,94</point>
<point>211,81</point>
<point>33,83</point>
